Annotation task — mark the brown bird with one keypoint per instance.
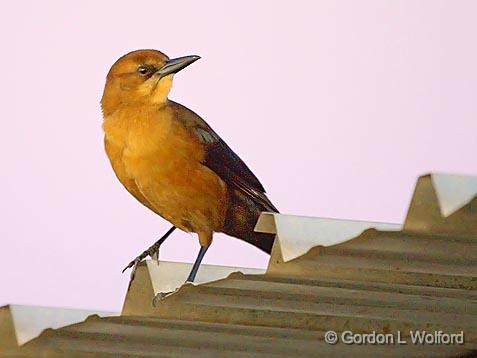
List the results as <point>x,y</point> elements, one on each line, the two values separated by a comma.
<point>172,161</point>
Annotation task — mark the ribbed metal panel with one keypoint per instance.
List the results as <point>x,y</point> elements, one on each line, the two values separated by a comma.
<point>147,336</point>
<point>421,278</point>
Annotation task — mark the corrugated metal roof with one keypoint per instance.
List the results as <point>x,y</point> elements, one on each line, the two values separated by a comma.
<point>149,336</point>
<point>421,278</point>
<point>21,323</point>
<point>8,338</point>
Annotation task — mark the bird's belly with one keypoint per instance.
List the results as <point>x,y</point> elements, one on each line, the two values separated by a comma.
<point>176,184</point>
<point>156,157</point>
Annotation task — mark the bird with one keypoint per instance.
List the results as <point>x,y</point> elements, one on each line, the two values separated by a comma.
<point>172,161</point>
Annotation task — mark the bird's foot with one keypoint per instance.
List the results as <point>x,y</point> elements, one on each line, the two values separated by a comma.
<point>153,252</point>
<point>155,256</point>
<point>161,296</point>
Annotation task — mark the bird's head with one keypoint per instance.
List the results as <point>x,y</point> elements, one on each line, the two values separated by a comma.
<point>141,76</point>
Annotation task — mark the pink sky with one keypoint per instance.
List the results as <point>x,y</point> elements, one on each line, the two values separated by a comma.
<point>337,106</point>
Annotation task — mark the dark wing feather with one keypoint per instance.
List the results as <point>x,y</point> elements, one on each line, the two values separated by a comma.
<point>223,160</point>
<point>228,165</point>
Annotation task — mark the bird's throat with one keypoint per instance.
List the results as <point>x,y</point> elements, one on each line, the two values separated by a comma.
<point>161,90</point>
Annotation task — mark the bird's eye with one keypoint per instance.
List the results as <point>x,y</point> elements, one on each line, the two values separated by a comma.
<point>143,70</point>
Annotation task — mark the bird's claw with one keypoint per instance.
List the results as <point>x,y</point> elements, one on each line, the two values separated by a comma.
<point>161,296</point>
<point>133,264</point>
<point>153,253</point>
<point>155,256</point>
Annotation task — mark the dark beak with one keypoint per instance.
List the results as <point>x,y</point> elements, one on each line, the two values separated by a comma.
<point>176,64</point>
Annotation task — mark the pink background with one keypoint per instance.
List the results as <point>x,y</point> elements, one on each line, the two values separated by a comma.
<point>337,106</point>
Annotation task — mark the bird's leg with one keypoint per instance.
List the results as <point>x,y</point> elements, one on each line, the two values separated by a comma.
<point>152,251</point>
<point>198,260</point>
<point>162,295</point>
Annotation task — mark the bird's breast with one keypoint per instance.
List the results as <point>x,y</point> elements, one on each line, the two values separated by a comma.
<point>152,141</point>
<point>153,151</point>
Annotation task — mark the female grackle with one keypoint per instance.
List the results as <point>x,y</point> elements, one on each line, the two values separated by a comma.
<point>172,161</point>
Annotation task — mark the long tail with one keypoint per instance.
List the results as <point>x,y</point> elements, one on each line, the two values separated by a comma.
<point>241,217</point>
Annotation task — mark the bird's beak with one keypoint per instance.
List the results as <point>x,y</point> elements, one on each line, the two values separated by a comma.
<point>176,64</point>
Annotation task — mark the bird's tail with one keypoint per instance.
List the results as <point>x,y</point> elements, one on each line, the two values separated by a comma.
<point>242,216</point>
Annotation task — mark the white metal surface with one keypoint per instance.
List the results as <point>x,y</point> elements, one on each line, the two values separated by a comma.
<point>30,321</point>
<point>298,234</point>
<point>167,276</point>
<point>453,191</point>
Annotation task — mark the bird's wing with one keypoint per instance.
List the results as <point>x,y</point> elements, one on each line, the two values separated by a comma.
<point>220,158</point>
